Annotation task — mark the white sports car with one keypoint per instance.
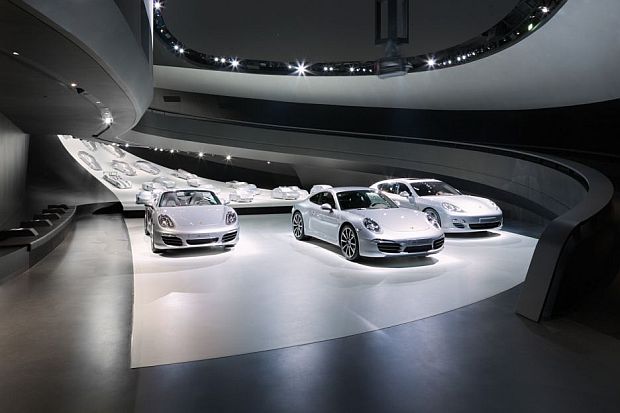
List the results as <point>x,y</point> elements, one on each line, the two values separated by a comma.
<point>166,182</point>
<point>195,182</point>
<point>236,184</point>
<point>151,186</point>
<point>183,174</point>
<point>147,167</point>
<point>189,218</point>
<point>117,180</point>
<point>114,150</point>
<point>89,160</point>
<point>319,188</point>
<point>364,222</point>
<point>284,192</point>
<point>454,211</point>
<point>303,194</point>
<point>123,167</point>
<point>241,195</point>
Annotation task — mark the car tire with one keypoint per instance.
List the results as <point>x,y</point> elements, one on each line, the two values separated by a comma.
<point>349,243</point>
<point>299,231</point>
<point>434,214</point>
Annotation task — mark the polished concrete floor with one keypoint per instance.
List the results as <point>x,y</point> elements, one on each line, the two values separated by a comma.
<point>65,344</point>
<point>272,291</point>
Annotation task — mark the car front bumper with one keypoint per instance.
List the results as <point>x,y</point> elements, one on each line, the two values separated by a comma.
<point>389,245</point>
<point>204,237</point>
<point>456,223</point>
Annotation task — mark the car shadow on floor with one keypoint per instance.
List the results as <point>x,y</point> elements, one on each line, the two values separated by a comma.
<point>195,252</point>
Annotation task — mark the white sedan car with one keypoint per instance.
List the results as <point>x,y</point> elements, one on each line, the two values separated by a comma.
<point>123,167</point>
<point>454,211</point>
<point>241,195</point>
<point>284,192</point>
<point>364,222</point>
<point>189,218</point>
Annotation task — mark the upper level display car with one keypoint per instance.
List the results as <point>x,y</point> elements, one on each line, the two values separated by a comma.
<point>454,211</point>
<point>241,195</point>
<point>147,167</point>
<point>89,160</point>
<point>365,222</point>
<point>123,167</point>
<point>117,180</point>
<point>284,192</point>
<point>89,145</point>
<point>114,150</point>
<point>189,218</point>
<point>166,182</point>
<point>319,188</point>
<point>183,174</point>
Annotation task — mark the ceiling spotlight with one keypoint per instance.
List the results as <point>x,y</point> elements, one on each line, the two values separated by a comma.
<point>458,58</point>
<point>268,162</point>
<point>200,154</point>
<point>364,69</point>
<point>473,53</point>
<point>73,85</point>
<point>15,53</point>
<point>325,68</point>
<point>234,63</point>
<point>290,67</point>
<point>171,150</point>
<point>331,69</point>
<point>544,9</point>
<point>530,27</point>
<point>217,59</point>
<point>98,102</point>
<point>222,60</point>
<point>463,57</point>
<point>351,69</point>
<point>449,62</point>
<point>126,145</point>
<point>228,157</point>
<point>161,149</point>
<point>157,5</point>
<point>301,69</point>
<point>108,119</point>
<point>176,47</point>
<point>181,50</point>
<point>431,62</point>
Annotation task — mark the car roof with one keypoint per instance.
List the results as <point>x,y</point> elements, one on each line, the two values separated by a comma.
<point>347,188</point>
<point>409,180</point>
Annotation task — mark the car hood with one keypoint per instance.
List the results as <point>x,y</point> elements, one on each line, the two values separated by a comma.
<point>469,204</point>
<point>197,216</point>
<point>396,219</point>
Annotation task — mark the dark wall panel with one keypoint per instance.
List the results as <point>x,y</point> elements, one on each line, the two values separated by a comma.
<point>13,167</point>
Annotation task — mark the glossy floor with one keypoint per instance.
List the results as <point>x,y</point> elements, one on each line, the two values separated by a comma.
<point>272,291</point>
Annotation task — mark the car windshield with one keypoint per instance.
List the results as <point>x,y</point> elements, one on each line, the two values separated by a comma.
<point>432,188</point>
<point>188,198</point>
<point>364,199</point>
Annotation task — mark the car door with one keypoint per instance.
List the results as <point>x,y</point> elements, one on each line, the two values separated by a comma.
<point>327,222</point>
<point>314,206</point>
<point>401,192</point>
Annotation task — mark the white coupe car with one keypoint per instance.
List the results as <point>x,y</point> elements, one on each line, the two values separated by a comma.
<point>454,211</point>
<point>189,218</point>
<point>183,174</point>
<point>91,146</point>
<point>114,150</point>
<point>319,188</point>
<point>284,192</point>
<point>365,222</point>
<point>117,180</point>
<point>123,167</point>
<point>241,195</point>
<point>166,182</point>
<point>147,167</point>
<point>89,160</point>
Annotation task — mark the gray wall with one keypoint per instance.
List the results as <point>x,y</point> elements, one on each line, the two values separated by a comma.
<point>13,168</point>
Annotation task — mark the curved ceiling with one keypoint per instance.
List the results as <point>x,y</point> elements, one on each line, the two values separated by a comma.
<point>323,30</point>
<point>573,59</point>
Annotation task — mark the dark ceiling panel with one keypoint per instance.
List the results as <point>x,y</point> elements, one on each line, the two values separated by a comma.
<point>322,30</point>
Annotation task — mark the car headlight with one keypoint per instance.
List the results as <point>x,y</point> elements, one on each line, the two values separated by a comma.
<point>371,225</point>
<point>433,221</point>
<point>165,221</point>
<point>450,207</point>
<point>231,218</point>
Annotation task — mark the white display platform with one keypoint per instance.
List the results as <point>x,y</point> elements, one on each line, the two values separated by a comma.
<point>127,197</point>
<point>272,291</point>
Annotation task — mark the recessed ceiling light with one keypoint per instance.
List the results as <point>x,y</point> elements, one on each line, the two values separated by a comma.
<point>200,154</point>
<point>157,5</point>
<point>228,157</point>
<point>73,85</point>
<point>430,62</point>
<point>15,53</point>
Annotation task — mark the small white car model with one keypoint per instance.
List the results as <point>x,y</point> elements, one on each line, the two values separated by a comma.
<point>117,180</point>
<point>151,186</point>
<point>114,150</point>
<point>183,174</point>
<point>91,146</point>
<point>166,182</point>
<point>303,194</point>
<point>319,188</point>
<point>241,195</point>
<point>147,167</point>
<point>365,222</point>
<point>194,182</point>
<point>89,160</point>
<point>454,211</point>
<point>284,192</point>
<point>189,218</point>
<point>236,184</point>
<point>123,167</point>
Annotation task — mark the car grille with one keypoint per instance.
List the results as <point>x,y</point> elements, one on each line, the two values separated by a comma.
<point>418,248</point>
<point>201,241</point>
<point>438,243</point>
<point>487,225</point>
<point>229,237</point>
<point>458,225</point>
<point>172,241</point>
<point>389,247</point>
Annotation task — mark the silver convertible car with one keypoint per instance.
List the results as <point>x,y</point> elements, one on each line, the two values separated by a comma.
<point>189,218</point>
<point>364,222</point>
<point>454,211</point>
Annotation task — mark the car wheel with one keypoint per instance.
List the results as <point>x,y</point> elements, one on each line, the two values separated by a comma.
<point>154,249</point>
<point>434,214</point>
<point>349,244</point>
<point>298,226</point>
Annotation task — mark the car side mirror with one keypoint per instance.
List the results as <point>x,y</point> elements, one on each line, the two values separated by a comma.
<point>397,203</point>
<point>327,207</point>
<point>405,194</point>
